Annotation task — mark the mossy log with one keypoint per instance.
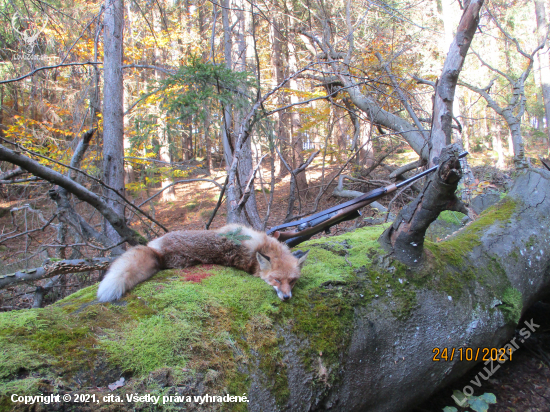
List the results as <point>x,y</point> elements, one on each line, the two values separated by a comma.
<point>357,335</point>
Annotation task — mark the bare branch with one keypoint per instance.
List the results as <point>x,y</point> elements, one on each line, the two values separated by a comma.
<point>78,190</point>
<point>403,169</point>
<point>46,68</point>
<point>402,96</point>
<point>177,182</point>
<point>29,231</point>
<point>55,268</point>
<point>99,181</point>
<point>220,200</point>
<point>246,193</point>
<point>147,66</point>
<point>420,80</point>
<point>10,174</point>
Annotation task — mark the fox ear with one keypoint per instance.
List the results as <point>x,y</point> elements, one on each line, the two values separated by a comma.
<point>264,262</point>
<point>303,259</point>
<point>298,254</point>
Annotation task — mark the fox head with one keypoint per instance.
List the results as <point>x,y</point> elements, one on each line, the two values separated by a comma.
<point>281,272</point>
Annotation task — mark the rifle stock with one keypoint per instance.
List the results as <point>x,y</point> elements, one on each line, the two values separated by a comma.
<point>318,222</point>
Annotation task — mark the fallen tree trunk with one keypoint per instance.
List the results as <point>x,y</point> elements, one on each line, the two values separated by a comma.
<point>358,334</point>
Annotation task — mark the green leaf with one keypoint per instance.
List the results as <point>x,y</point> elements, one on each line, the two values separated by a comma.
<point>478,404</point>
<point>450,409</point>
<point>460,399</point>
<point>488,397</point>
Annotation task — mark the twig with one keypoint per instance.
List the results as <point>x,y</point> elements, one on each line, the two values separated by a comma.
<point>175,183</point>
<point>29,231</point>
<point>393,199</point>
<point>246,193</point>
<point>90,177</point>
<point>46,68</point>
<point>207,226</point>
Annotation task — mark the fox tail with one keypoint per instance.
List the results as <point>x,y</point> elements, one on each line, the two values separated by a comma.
<point>133,267</point>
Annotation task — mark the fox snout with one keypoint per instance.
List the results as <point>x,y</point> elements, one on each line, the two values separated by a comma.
<point>282,277</point>
<point>283,293</point>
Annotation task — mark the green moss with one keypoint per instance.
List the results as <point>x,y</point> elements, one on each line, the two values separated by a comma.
<point>152,343</point>
<point>27,320</point>
<point>20,386</point>
<point>449,216</point>
<point>58,340</point>
<point>469,237</point>
<point>530,242</point>
<point>78,300</point>
<point>228,321</point>
<point>15,356</point>
<point>512,305</point>
<point>454,251</point>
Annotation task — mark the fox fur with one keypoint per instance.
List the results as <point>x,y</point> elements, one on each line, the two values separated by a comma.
<point>232,245</point>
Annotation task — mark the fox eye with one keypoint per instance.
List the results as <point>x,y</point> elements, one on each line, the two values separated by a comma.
<point>277,280</point>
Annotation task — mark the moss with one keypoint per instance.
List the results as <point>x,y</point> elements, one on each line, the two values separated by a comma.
<point>22,386</point>
<point>58,340</point>
<point>15,356</point>
<point>155,342</point>
<point>324,318</point>
<point>78,300</point>
<point>210,324</point>
<point>530,242</point>
<point>512,305</point>
<point>465,240</point>
<point>447,260</point>
<point>449,216</point>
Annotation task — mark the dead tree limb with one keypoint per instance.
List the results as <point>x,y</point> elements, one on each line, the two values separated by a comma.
<point>52,269</point>
<point>121,198</point>
<point>446,86</point>
<point>405,238</point>
<point>10,174</point>
<point>77,189</point>
<point>403,169</point>
<point>340,191</point>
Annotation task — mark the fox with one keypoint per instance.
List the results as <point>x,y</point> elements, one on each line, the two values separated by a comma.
<point>233,245</point>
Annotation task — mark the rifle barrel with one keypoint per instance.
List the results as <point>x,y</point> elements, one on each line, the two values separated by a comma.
<point>307,224</point>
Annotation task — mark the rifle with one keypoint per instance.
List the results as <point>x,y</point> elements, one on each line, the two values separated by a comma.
<point>311,225</point>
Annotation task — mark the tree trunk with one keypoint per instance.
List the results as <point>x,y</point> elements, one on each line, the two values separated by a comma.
<point>542,29</point>
<point>358,334</point>
<point>113,91</point>
<point>296,138</point>
<point>235,53</point>
<point>280,118</point>
<point>446,86</point>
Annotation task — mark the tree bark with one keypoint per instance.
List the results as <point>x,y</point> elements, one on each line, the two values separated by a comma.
<point>542,29</point>
<point>405,238</point>
<point>446,86</point>
<point>235,53</point>
<point>113,114</point>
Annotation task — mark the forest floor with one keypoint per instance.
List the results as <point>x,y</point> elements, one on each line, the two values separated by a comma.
<point>521,385</point>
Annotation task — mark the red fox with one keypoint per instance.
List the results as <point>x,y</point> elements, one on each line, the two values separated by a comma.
<point>232,245</point>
